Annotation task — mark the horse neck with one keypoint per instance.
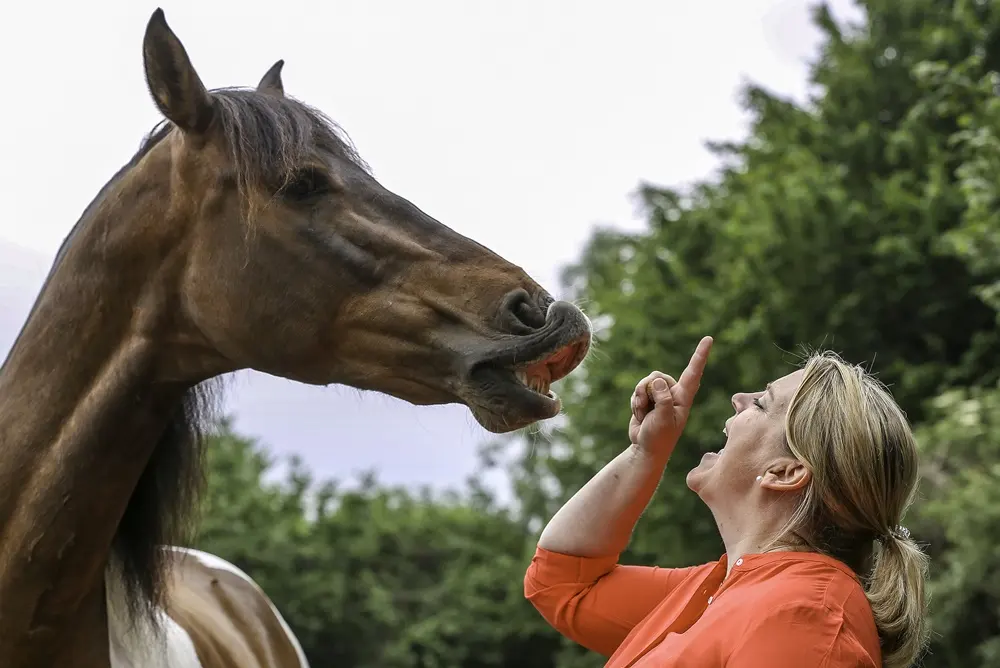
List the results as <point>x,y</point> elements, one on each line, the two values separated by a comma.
<point>80,412</point>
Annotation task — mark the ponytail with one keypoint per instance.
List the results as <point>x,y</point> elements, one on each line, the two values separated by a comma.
<point>846,428</point>
<point>895,590</point>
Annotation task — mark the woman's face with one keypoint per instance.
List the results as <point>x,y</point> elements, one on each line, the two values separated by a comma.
<point>754,445</point>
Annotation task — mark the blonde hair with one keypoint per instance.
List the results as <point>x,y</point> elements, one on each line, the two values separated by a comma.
<point>846,428</point>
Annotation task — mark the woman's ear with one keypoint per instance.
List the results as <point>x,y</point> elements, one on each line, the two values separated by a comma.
<point>786,475</point>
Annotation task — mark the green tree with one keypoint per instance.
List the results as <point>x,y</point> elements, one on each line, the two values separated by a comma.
<point>959,513</point>
<point>373,575</point>
<point>864,220</point>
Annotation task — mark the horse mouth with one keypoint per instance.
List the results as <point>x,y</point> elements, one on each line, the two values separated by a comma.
<point>514,392</point>
<point>539,375</point>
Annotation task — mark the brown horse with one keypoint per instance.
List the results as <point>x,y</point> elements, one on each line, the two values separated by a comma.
<point>245,233</point>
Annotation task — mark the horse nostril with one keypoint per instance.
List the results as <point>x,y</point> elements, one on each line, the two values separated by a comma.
<point>519,308</point>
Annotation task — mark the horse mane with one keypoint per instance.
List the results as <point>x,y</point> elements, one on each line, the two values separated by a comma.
<point>267,137</point>
<point>163,507</point>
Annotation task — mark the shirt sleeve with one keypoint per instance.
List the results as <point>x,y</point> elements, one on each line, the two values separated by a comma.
<point>800,634</point>
<point>596,602</point>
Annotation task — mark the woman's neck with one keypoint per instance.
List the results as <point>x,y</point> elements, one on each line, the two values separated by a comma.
<point>756,531</point>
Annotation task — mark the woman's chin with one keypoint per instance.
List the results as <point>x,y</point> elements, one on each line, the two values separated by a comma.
<point>697,476</point>
<point>695,479</point>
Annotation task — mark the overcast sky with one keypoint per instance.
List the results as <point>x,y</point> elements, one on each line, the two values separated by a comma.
<point>519,123</point>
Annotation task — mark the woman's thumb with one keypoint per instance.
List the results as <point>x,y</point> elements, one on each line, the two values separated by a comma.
<point>661,392</point>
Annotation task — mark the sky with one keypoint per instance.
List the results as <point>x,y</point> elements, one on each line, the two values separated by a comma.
<point>521,124</point>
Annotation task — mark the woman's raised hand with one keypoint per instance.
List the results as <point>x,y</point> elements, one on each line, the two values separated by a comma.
<point>661,405</point>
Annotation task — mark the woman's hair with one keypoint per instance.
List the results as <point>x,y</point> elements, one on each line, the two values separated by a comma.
<point>846,428</point>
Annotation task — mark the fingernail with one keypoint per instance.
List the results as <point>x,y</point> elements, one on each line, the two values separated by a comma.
<point>659,384</point>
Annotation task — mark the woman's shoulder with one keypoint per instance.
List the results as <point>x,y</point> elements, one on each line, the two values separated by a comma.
<point>793,608</point>
<point>809,580</point>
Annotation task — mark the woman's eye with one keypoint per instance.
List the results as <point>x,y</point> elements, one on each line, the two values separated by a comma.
<point>756,402</point>
<point>306,184</point>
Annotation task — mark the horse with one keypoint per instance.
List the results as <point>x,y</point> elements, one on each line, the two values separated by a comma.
<point>245,233</point>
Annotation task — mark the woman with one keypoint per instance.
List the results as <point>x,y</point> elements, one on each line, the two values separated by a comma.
<point>808,493</point>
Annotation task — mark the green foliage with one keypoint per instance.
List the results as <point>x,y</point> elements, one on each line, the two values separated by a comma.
<point>867,221</point>
<point>376,576</point>
<point>959,514</point>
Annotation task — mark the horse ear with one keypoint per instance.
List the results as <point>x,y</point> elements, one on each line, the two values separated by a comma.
<point>175,86</point>
<point>271,81</point>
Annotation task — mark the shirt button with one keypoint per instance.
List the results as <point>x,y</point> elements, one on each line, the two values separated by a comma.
<point>710,600</point>
<point>739,562</point>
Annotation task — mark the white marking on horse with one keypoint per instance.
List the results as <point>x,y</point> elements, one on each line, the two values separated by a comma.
<point>139,644</point>
<point>218,563</point>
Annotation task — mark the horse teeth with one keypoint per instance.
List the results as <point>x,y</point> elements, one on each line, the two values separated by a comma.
<point>533,383</point>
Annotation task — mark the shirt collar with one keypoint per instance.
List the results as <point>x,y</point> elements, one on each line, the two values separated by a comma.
<point>749,562</point>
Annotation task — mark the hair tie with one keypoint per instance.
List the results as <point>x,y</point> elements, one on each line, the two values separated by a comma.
<point>898,533</point>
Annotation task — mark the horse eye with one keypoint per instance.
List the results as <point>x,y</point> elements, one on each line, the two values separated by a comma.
<point>305,184</point>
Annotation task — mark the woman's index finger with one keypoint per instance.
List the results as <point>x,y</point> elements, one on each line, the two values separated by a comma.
<point>691,378</point>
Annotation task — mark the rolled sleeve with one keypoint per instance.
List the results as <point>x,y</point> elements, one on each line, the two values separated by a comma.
<point>595,602</point>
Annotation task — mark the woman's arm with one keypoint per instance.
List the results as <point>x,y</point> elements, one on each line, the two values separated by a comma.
<point>574,580</point>
<point>599,519</point>
<point>595,601</point>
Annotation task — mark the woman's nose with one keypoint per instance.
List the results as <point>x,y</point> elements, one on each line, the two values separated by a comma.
<point>740,401</point>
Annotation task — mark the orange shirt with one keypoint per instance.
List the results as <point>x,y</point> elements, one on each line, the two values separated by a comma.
<point>775,610</point>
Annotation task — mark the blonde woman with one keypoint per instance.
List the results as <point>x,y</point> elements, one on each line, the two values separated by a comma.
<point>808,495</point>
